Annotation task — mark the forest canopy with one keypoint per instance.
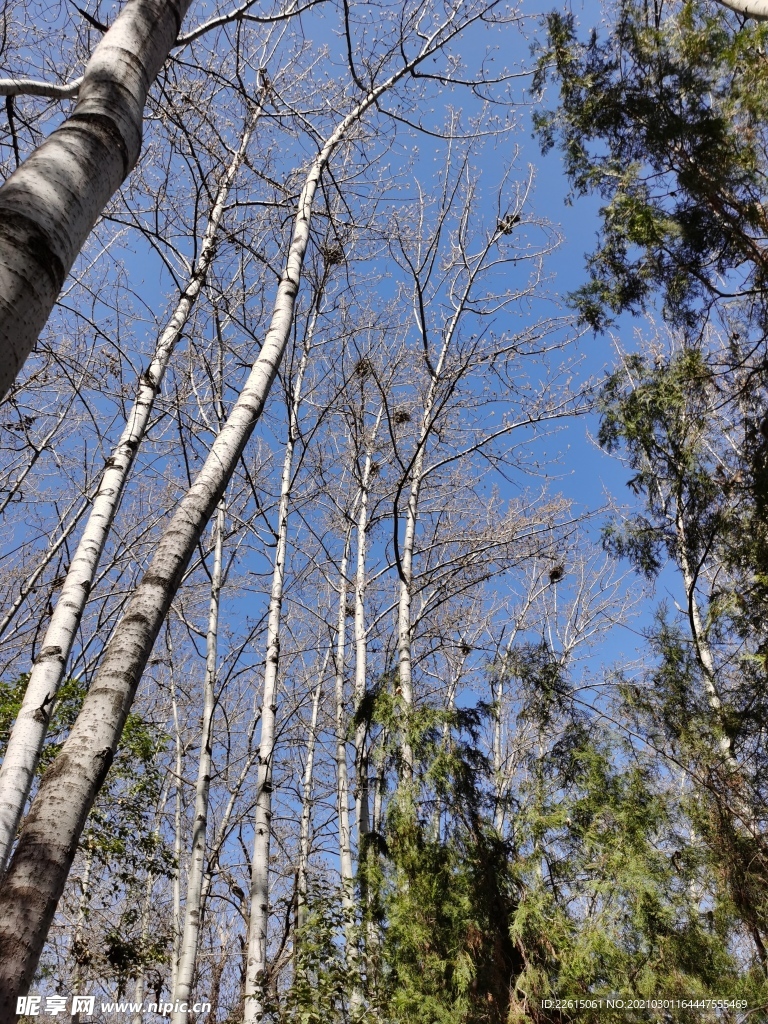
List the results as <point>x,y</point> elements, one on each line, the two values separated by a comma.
<point>335,685</point>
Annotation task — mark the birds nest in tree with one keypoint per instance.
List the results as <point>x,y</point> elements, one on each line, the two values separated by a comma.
<point>364,367</point>
<point>333,254</point>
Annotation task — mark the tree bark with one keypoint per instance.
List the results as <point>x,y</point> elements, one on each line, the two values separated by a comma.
<point>757,9</point>
<point>259,917</point>
<point>146,913</point>
<point>192,909</point>
<point>302,871</point>
<point>28,734</point>
<point>701,644</point>
<point>77,940</point>
<point>342,789</point>
<point>498,812</point>
<point>176,896</point>
<point>362,810</point>
<point>51,202</point>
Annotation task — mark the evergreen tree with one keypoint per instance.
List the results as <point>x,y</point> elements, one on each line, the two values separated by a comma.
<point>665,120</point>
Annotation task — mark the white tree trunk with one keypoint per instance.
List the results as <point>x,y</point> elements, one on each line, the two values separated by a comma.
<point>77,978</point>
<point>703,651</point>
<point>51,202</point>
<point>498,813</point>
<point>405,568</point>
<point>221,835</point>
<point>342,787</point>
<point>26,740</point>
<point>757,9</point>
<point>362,811</point>
<point>141,980</point>
<point>404,644</point>
<point>35,879</point>
<point>404,647</point>
<point>256,964</point>
<point>192,909</point>
<point>176,921</point>
<point>146,912</point>
<point>302,871</point>
<point>741,805</point>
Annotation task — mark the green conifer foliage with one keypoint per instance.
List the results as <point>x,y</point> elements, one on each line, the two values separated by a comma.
<point>703,695</point>
<point>665,119</point>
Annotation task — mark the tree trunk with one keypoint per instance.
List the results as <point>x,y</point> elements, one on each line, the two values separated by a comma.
<point>226,817</point>
<point>28,734</point>
<point>141,979</point>
<point>259,916</point>
<point>77,941</point>
<point>176,910</point>
<point>405,566</point>
<point>362,811</point>
<point>499,789</point>
<point>192,909</point>
<point>302,871</point>
<point>701,644</point>
<point>757,9</point>
<point>51,202</point>
<point>342,789</point>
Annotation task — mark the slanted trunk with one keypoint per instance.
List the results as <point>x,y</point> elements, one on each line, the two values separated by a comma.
<point>192,909</point>
<point>701,645</point>
<point>757,9</point>
<point>28,734</point>
<point>51,202</point>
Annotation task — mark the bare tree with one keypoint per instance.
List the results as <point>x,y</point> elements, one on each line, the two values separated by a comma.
<point>54,823</point>
<point>29,731</point>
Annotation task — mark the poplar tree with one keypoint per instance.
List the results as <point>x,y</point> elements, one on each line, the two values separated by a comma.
<point>51,202</point>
